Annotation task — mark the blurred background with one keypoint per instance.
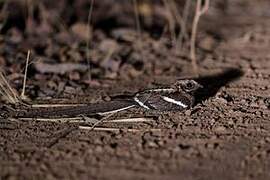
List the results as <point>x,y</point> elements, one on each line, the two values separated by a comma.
<point>80,43</point>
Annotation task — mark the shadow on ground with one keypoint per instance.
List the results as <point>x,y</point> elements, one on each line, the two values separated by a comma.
<point>211,84</point>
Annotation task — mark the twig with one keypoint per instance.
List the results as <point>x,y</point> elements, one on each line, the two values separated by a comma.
<point>115,111</point>
<point>130,120</point>
<point>25,76</point>
<point>102,120</point>
<point>171,21</point>
<point>200,10</point>
<point>61,120</point>
<point>55,105</point>
<point>88,40</point>
<point>7,91</point>
<point>83,119</point>
<point>183,32</point>
<point>116,129</point>
<point>138,27</point>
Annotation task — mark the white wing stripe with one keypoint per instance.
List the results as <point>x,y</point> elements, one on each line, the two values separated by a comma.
<point>161,90</point>
<point>141,103</point>
<point>179,103</point>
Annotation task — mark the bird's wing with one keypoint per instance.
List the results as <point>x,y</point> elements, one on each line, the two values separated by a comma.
<point>164,101</point>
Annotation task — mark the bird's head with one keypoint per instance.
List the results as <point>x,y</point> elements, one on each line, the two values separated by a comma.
<point>189,86</point>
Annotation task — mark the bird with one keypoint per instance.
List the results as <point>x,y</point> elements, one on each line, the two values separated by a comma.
<point>178,97</point>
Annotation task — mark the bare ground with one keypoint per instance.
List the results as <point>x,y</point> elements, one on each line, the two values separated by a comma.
<point>225,136</point>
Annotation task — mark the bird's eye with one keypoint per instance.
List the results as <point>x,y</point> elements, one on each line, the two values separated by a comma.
<point>189,85</point>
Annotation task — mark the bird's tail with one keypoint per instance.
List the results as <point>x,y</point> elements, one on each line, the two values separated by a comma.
<point>101,108</point>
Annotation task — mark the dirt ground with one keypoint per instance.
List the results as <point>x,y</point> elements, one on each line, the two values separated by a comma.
<point>226,135</point>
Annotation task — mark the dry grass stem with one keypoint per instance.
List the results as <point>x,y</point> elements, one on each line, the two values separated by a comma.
<point>130,120</point>
<point>138,28</point>
<point>200,10</point>
<point>102,120</point>
<point>55,105</point>
<point>183,35</point>
<point>25,76</point>
<point>61,120</point>
<point>115,111</point>
<point>88,39</point>
<point>7,91</point>
<point>116,129</point>
<point>86,119</point>
<point>171,20</point>
<point>181,22</point>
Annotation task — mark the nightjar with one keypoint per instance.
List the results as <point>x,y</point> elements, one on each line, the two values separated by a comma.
<point>178,97</point>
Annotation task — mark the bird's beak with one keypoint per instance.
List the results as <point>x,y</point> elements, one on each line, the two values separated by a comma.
<point>200,86</point>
